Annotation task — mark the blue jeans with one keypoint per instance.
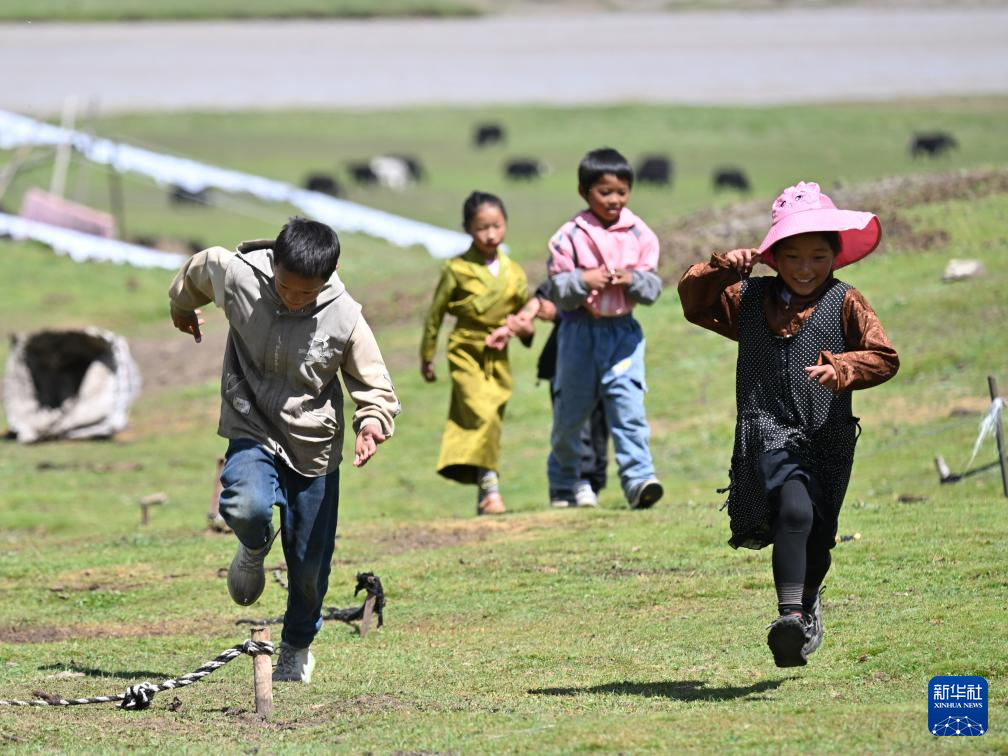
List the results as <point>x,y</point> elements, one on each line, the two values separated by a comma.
<point>600,359</point>
<point>254,482</point>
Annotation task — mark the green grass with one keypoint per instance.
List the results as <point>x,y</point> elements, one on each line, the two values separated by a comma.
<point>539,631</point>
<point>137,10</point>
<point>144,10</point>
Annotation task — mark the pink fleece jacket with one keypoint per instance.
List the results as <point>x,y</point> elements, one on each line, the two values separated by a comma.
<point>584,243</point>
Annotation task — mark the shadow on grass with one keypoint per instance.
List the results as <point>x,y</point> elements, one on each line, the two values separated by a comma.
<point>117,674</point>
<point>681,690</point>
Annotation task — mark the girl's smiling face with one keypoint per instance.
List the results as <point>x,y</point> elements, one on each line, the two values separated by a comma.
<point>607,197</point>
<point>488,227</point>
<point>804,262</point>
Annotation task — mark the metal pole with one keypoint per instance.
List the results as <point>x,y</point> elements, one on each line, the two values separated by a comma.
<point>999,435</point>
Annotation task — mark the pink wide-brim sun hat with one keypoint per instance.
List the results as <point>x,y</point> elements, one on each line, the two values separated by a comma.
<point>803,209</point>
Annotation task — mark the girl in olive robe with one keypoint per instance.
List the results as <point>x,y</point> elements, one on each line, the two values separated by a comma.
<point>480,288</point>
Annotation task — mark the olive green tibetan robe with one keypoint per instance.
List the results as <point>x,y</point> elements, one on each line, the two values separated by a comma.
<point>481,377</point>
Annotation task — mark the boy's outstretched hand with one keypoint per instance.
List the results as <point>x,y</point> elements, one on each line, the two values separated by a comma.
<point>367,444</point>
<point>743,260</point>
<point>824,375</point>
<point>188,322</point>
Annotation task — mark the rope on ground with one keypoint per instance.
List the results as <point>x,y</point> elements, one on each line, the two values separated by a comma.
<point>137,697</point>
<point>366,581</point>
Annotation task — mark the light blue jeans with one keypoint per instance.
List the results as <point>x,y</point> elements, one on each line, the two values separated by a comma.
<point>600,358</point>
<point>254,482</point>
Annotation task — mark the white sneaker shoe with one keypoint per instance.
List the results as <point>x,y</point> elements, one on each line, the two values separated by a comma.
<point>584,496</point>
<point>246,576</point>
<point>294,665</point>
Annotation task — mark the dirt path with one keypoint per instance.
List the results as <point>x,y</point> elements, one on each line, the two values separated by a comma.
<point>790,55</point>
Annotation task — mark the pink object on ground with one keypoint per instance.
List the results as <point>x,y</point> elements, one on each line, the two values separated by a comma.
<point>803,209</point>
<point>39,205</point>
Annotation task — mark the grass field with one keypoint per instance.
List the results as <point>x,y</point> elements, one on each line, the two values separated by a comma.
<point>142,10</point>
<point>539,631</point>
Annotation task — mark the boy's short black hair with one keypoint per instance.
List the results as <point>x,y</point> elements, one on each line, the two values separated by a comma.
<point>598,163</point>
<point>308,248</point>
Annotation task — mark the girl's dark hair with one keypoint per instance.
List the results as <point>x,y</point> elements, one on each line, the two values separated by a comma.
<point>308,248</point>
<point>833,239</point>
<point>598,163</point>
<point>473,203</point>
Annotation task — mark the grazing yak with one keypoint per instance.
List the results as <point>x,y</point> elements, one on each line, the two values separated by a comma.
<point>487,134</point>
<point>324,183</point>
<point>655,169</point>
<point>524,169</point>
<point>730,178</point>
<point>932,144</point>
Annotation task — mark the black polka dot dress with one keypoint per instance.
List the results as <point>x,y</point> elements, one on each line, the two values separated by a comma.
<point>787,426</point>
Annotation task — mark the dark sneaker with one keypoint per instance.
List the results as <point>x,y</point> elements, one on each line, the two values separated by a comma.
<point>562,499</point>
<point>246,576</point>
<point>813,621</point>
<point>646,494</point>
<point>787,638</point>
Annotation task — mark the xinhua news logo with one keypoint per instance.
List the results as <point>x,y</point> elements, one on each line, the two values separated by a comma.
<point>957,705</point>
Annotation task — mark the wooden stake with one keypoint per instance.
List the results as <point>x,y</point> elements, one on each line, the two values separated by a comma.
<point>999,435</point>
<point>365,625</point>
<point>263,675</point>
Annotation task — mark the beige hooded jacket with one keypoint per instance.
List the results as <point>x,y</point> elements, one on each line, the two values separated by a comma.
<point>279,384</point>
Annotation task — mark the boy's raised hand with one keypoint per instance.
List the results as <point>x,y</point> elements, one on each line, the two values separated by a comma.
<point>743,260</point>
<point>596,278</point>
<point>188,322</point>
<point>367,444</point>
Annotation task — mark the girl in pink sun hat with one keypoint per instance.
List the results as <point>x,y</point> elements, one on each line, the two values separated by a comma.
<point>806,341</point>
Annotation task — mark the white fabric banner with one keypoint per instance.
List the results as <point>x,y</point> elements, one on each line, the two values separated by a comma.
<point>17,130</point>
<point>83,247</point>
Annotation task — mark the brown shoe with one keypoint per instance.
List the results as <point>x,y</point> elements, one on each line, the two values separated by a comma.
<point>491,504</point>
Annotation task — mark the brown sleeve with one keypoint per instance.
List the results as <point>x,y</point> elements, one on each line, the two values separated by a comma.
<point>710,294</point>
<point>871,359</point>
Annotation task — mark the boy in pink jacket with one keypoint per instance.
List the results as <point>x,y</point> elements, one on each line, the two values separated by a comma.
<point>602,264</point>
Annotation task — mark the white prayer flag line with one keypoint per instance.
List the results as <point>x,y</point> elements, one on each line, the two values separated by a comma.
<point>82,247</point>
<point>17,130</point>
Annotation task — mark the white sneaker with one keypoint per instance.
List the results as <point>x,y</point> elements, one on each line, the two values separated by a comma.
<point>246,576</point>
<point>294,665</point>
<point>584,496</point>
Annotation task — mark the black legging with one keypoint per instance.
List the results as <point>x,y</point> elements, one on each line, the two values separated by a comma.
<point>801,548</point>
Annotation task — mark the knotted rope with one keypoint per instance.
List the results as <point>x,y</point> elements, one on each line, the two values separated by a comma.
<point>137,697</point>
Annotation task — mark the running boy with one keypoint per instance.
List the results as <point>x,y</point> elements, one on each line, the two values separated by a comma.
<point>602,263</point>
<point>806,340</point>
<point>292,327</point>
